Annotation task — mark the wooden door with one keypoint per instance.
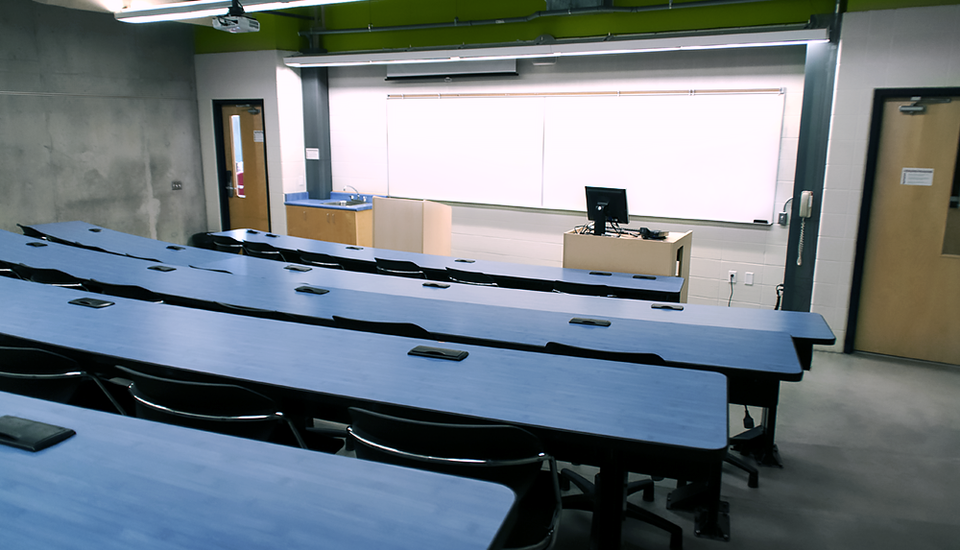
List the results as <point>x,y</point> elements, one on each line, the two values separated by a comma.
<point>245,153</point>
<point>910,288</point>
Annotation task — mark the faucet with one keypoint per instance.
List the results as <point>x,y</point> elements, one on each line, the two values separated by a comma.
<point>357,194</point>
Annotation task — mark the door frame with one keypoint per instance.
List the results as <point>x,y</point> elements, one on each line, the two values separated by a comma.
<point>880,96</point>
<point>218,139</point>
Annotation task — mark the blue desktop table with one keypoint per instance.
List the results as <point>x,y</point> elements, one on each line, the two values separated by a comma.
<point>526,276</point>
<point>509,275</point>
<point>620,417</point>
<point>747,344</point>
<point>123,483</point>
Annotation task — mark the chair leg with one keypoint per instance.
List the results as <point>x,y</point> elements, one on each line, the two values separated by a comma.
<point>646,516</point>
<point>753,481</point>
<point>587,500</point>
<point>109,395</point>
<point>645,485</point>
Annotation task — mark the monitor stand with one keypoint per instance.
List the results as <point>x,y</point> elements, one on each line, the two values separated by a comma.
<point>600,226</point>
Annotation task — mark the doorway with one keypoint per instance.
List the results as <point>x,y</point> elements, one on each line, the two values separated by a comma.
<point>906,287</point>
<point>242,164</point>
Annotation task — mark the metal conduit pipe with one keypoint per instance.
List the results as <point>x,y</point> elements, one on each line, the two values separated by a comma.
<point>528,18</point>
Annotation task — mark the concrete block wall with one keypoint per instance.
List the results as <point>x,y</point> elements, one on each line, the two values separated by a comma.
<point>97,120</point>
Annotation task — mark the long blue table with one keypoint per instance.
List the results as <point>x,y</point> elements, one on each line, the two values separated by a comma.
<point>620,417</point>
<point>510,275</point>
<point>755,361</point>
<point>751,384</point>
<point>526,276</point>
<point>806,328</point>
<point>733,351</point>
<point>123,483</point>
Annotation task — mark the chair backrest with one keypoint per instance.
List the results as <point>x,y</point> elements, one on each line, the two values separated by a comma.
<point>623,357</point>
<point>319,260</point>
<point>261,250</point>
<point>582,290</point>
<point>409,330</point>
<point>31,232</point>
<point>202,240</point>
<point>227,244</point>
<point>6,270</point>
<point>222,408</point>
<point>48,276</point>
<point>400,268</point>
<point>123,291</point>
<point>244,310</point>
<point>39,373</point>
<point>503,454</point>
<point>470,277</point>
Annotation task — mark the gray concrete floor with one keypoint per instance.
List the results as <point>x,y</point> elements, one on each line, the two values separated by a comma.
<point>871,453</point>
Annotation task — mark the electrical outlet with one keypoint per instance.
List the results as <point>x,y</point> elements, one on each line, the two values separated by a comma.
<point>177,185</point>
<point>748,278</point>
<point>732,277</point>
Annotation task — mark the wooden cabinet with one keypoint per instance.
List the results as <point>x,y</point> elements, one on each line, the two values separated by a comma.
<point>331,224</point>
<point>412,225</point>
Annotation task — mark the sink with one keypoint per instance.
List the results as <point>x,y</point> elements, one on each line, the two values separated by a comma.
<point>344,203</point>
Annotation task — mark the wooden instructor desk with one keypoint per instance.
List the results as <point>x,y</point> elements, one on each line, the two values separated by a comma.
<point>629,253</point>
<point>620,417</point>
<point>123,483</point>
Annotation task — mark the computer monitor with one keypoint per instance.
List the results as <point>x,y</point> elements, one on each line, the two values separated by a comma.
<point>606,204</point>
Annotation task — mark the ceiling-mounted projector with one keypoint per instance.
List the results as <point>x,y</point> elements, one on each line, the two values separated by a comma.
<point>236,23</point>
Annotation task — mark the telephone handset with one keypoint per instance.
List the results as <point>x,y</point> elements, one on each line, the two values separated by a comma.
<point>806,204</point>
<point>804,211</point>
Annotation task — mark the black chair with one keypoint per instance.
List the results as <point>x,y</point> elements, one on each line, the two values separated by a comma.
<point>123,291</point>
<point>223,307</point>
<point>503,454</point>
<point>753,479</point>
<point>581,289</point>
<point>227,244</point>
<point>470,277</point>
<point>216,407</point>
<point>51,277</point>
<point>202,240</point>
<point>400,268</point>
<point>408,330</point>
<point>319,260</point>
<point>47,375</point>
<point>586,499</point>
<point>6,270</point>
<point>289,256</point>
<point>31,232</point>
<point>261,250</point>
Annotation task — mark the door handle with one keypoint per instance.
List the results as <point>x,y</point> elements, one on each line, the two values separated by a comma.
<point>226,178</point>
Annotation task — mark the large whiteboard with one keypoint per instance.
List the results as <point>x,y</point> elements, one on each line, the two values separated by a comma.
<point>701,156</point>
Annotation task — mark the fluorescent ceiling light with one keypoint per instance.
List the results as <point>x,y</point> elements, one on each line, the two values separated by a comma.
<point>178,11</point>
<point>610,47</point>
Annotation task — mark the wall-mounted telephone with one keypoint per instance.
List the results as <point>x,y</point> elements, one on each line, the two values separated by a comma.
<point>804,211</point>
<point>806,204</point>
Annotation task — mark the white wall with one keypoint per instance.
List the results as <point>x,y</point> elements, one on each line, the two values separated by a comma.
<point>915,47</point>
<point>359,157</point>
<point>254,75</point>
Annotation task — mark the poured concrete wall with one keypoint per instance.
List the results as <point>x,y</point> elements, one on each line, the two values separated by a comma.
<point>97,119</point>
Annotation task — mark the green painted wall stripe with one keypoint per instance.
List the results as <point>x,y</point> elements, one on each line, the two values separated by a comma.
<point>279,32</point>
